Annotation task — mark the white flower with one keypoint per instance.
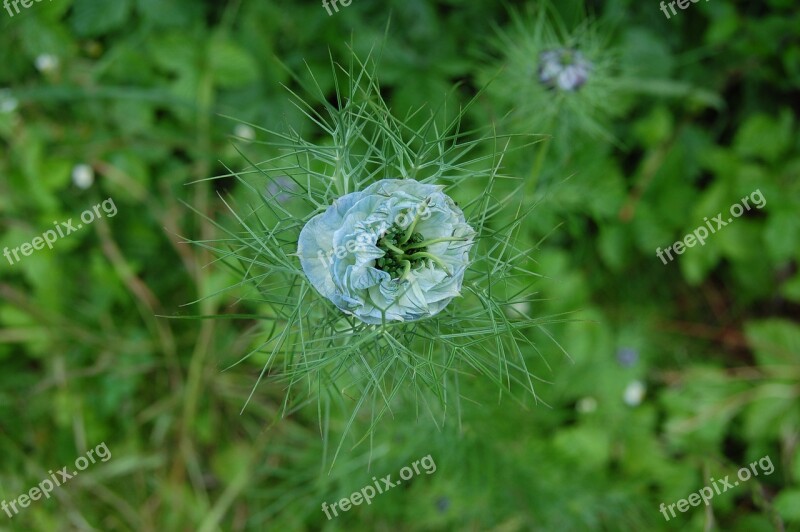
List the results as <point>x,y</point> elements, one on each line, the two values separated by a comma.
<point>396,250</point>
<point>244,131</point>
<point>586,405</point>
<point>634,393</point>
<point>8,103</point>
<point>83,176</point>
<point>47,63</point>
<point>520,309</point>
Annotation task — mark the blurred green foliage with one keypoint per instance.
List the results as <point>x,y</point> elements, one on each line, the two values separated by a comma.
<point>140,90</point>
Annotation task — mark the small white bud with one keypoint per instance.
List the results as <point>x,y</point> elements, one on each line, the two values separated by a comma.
<point>520,309</point>
<point>634,393</point>
<point>244,131</point>
<point>8,103</point>
<point>586,405</point>
<point>83,176</point>
<point>47,63</point>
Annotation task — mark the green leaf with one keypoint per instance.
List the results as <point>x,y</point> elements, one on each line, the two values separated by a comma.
<point>614,246</point>
<point>656,127</point>
<point>764,136</point>
<point>783,235</point>
<point>91,18</point>
<point>774,341</point>
<point>587,446</point>
<point>172,13</point>
<point>787,503</point>
<point>739,240</point>
<point>773,409</point>
<point>230,463</point>
<point>725,23</point>
<point>791,288</point>
<point>46,37</point>
<point>133,116</point>
<point>696,266</point>
<point>231,65</point>
<point>175,52</point>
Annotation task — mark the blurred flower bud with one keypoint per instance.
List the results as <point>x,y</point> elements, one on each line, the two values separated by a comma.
<point>47,63</point>
<point>83,176</point>
<point>634,393</point>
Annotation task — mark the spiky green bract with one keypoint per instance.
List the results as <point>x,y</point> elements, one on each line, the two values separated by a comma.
<point>537,106</point>
<point>314,349</point>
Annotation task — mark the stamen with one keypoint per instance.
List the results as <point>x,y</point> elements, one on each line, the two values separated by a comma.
<point>426,243</point>
<point>406,268</point>
<point>410,230</point>
<point>393,247</point>
<point>430,256</point>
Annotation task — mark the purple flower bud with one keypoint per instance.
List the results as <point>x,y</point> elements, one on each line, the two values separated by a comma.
<point>564,68</point>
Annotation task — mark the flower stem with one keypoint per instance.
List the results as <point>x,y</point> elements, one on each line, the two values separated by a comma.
<point>536,171</point>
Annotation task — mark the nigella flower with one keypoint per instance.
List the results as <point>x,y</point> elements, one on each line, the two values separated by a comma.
<point>395,251</point>
<point>627,356</point>
<point>556,80</point>
<point>355,278</point>
<point>568,80</point>
<point>566,69</point>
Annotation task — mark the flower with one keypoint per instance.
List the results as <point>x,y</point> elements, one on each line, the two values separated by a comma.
<point>586,405</point>
<point>244,132</point>
<point>82,176</point>
<point>634,393</point>
<point>559,77</point>
<point>47,63</point>
<point>563,68</point>
<point>396,250</point>
<point>627,356</point>
<point>518,309</point>
<point>8,103</point>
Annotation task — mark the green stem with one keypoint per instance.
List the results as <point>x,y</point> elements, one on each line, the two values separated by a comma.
<point>536,172</point>
<point>340,178</point>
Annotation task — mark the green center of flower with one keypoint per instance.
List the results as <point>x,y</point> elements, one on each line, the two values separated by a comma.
<point>405,248</point>
<point>401,253</point>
